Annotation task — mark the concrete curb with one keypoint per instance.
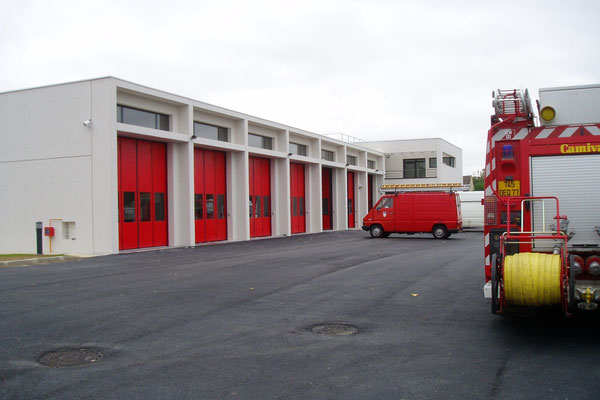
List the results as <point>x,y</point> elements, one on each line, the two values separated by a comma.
<point>40,260</point>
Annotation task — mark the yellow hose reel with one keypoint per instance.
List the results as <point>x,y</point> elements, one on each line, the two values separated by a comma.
<point>532,279</point>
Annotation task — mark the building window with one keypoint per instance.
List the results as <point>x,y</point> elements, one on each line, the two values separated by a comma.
<point>449,161</point>
<point>414,168</point>
<point>350,160</point>
<point>263,142</point>
<point>159,207</point>
<point>211,132</point>
<point>148,119</point>
<point>370,164</point>
<point>327,155</point>
<point>433,162</point>
<point>299,149</point>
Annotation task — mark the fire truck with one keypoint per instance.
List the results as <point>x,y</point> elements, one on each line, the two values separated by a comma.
<point>542,201</point>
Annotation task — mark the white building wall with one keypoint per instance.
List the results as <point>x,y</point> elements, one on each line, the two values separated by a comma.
<point>450,174</point>
<point>280,197</point>
<point>46,168</point>
<point>362,198</point>
<point>340,202</point>
<point>104,167</point>
<point>314,204</point>
<point>238,224</point>
<point>55,170</point>
<point>180,194</point>
<point>396,151</point>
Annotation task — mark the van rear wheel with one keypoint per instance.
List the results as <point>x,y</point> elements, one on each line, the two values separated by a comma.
<point>439,232</point>
<point>377,231</point>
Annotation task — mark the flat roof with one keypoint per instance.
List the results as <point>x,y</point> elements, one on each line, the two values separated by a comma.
<point>250,118</point>
<point>579,87</point>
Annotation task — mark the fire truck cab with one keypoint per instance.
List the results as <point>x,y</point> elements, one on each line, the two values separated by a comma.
<point>542,200</point>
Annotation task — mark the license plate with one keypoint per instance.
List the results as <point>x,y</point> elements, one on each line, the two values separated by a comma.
<point>509,188</point>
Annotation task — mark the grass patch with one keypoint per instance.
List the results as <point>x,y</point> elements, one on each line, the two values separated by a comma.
<point>11,257</point>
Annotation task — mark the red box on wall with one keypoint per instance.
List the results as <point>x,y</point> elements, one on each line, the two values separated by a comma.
<point>49,231</point>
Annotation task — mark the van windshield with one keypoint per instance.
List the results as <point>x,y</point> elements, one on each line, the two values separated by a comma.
<point>387,202</point>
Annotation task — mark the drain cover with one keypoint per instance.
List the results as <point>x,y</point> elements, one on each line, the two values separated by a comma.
<point>334,329</point>
<point>69,357</point>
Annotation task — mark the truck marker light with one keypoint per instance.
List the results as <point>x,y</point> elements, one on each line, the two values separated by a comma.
<point>547,113</point>
<point>507,152</point>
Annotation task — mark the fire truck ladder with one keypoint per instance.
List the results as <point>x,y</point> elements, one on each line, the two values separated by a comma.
<point>511,103</point>
<point>419,187</point>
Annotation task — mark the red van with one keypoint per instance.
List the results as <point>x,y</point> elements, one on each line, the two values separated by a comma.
<point>437,212</point>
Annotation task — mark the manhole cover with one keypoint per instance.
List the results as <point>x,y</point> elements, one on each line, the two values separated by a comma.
<point>334,329</point>
<point>69,357</point>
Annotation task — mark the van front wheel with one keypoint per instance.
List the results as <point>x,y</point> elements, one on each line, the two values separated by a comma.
<point>377,231</point>
<point>439,232</point>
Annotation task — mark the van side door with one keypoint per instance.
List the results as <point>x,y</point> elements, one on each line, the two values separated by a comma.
<point>429,210</point>
<point>403,213</point>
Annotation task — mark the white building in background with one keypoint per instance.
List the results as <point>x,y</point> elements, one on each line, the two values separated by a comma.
<point>111,165</point>
<point>418,161</point>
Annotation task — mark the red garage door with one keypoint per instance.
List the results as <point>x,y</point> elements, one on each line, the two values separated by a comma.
<point>351,203</point>
<point>210,208</point>
<point>297,196</point>
<point>260,196</point>
<point>142,170</point>
<point>326,194</point>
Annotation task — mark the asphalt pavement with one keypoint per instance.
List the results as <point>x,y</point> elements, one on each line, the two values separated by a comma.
<point>237,321</point>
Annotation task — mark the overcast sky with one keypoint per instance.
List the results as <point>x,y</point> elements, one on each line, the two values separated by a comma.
<point>376,69</point>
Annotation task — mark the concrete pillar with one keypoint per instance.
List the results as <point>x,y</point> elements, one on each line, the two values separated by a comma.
<point>280,197</point>
<point>314,204</point>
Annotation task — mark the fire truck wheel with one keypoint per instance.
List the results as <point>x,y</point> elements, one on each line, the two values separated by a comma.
<point>494,273</point>
<point>377,231</point>
<point>439,232</point>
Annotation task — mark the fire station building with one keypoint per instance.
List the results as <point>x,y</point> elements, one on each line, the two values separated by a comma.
<point>110,166</point>
<point>420,161</point>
